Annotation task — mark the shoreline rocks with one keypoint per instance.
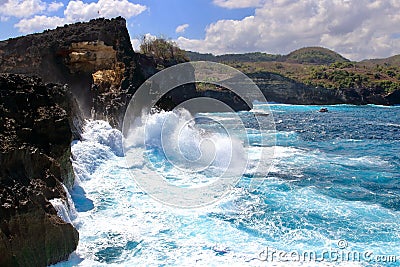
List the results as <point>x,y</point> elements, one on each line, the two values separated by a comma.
<point>37,125</point>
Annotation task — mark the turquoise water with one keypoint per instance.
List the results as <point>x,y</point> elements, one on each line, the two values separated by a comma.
<point>333,190</point>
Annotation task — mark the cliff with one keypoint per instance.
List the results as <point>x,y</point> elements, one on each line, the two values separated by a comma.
<point>95,59</point>
<point>281,89</point>
<point>37,125</point>
<point>277,88</point>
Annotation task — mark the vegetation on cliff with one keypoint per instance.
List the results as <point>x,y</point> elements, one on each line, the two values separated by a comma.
<point>246,57</point>
<point>306,55</point>
<point>338,75</point>
<point>160,48</point>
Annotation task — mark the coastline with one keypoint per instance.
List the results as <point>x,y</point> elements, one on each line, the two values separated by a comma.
<point>43,115</point>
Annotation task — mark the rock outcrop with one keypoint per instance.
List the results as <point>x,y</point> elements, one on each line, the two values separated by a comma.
<point>394,98</point>
<point>277,88</point>
<point>95,59</point>
<point>37,124</point>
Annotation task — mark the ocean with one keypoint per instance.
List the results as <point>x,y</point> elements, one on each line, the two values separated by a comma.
<point>330,197</point>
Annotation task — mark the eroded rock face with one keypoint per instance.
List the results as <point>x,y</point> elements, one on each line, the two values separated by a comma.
<point>90,56</point>
<point>394,97</point>
<point>37,125</point>
<point>99,59</point>
<point>277,88</point>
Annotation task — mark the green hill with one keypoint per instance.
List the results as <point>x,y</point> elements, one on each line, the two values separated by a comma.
<point>314,55</point>
<point>306,55</point>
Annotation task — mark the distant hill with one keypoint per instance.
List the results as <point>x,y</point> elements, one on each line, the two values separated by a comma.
<point>195,56</point>
<point>246,57</point>
<point>314,55</point>
<point>390,61</point>
<point>306,55</point>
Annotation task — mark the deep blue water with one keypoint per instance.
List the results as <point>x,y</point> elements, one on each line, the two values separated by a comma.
<point>359,149</point>
<point>334,187</point>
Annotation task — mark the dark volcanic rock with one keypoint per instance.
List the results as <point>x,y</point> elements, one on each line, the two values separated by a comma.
<point>37,125</point>
<point>394,98</point>
<point>95,59</point>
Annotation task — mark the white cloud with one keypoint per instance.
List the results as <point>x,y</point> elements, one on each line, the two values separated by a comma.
<point>39,22</point>
<point>231,4</point>
<point>77,10</point>
<point>181,28</point>
<point>21,8</point>
<point>137,41</point>
<point>357,29</point>
<point>54,6</point>
<point>135,44</point>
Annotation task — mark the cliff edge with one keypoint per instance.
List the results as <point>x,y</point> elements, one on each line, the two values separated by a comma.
<point>94,58</point>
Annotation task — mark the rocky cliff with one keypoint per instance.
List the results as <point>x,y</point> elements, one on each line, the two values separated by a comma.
<point>95,59</point>
<point>278,88</point>
<point>37,125</point>
<point>315,75</point>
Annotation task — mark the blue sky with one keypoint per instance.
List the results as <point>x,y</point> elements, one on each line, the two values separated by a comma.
<point>356,29</point>
<point>163,17</point>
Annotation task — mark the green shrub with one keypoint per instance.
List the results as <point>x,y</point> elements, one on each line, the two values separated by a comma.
<point>162,48</point>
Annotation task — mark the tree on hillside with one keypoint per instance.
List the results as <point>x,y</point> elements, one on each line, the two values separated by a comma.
<point>162,48</point>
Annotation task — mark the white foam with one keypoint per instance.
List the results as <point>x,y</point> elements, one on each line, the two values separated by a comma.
<point>101,132</point>
<point>185,149</point>
<point>133,229</point>
<point>65,209</point>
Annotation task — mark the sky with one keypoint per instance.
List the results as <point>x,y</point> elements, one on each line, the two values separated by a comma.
<point>357,29</point>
